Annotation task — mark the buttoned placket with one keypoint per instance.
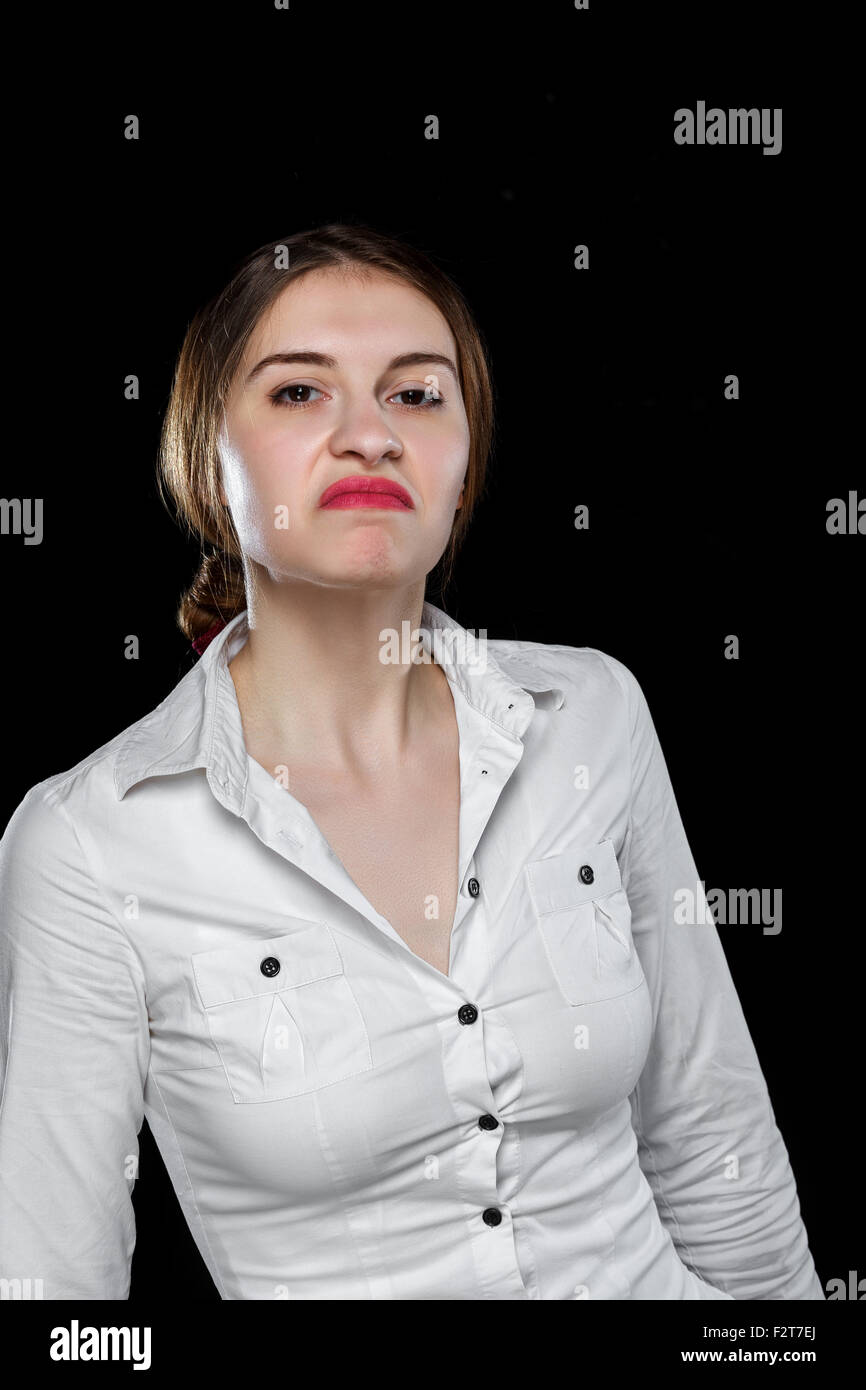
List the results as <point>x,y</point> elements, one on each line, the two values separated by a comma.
<point>491,747</point>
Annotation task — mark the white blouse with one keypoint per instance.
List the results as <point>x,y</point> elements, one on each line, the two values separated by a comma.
<point>575,1111</point>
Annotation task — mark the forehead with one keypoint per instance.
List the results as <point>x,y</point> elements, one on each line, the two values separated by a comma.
<point>343,314</point>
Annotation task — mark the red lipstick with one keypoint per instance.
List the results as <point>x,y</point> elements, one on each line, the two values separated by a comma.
<point>362,490</point>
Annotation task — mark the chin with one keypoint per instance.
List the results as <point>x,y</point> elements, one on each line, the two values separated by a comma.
<point>372,572</point>
<point>371,558</point>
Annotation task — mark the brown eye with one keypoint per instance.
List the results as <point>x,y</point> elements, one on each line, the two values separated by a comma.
<point>277,397</point>
<point>426,402</point>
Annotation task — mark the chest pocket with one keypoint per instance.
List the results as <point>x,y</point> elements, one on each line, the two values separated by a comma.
<point>584,917</point>
<point>282,1014</point>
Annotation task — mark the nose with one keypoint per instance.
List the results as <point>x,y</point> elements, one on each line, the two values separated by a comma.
<point>364,434</point>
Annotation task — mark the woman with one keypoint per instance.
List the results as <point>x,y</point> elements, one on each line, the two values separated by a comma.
<point>372,920</point>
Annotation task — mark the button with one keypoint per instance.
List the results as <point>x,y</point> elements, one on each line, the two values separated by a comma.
<point>467,1013</point>
<point>492,1216</point>
<point>270,966</point>
<point>488,1122</point>
<point>474,887</point>
<point>586,875</point>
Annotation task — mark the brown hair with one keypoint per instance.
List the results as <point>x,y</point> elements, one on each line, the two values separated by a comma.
<point>212,351</point>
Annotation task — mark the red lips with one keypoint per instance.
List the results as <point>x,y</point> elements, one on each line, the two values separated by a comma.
<point>361,490</point>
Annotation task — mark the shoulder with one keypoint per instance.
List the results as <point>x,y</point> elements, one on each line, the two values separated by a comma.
<point>44,818</point>
<point>587,672</point>
<point>87,791</point>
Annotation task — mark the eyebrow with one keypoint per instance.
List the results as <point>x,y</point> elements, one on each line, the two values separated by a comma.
<point>321,359</point>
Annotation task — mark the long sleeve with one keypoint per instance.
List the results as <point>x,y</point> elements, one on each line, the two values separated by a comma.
<point>708,1142</point>
<point>74,1047</point>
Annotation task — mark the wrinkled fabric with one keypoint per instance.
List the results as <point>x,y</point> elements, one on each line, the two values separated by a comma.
<point>576,1110</point>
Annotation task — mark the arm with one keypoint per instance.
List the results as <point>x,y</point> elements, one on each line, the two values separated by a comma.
<point>74,1048</point>
<point>708,1142</point>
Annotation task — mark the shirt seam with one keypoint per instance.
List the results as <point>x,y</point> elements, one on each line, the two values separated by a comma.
<point>64,814</point>
<point>623,689</point>
<point>178,1149</point>
<point>681,1243</point>
<point>601,1207</point>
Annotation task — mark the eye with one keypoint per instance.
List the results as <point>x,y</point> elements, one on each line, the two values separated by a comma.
<point>425,402</point>
<point>296,386</point>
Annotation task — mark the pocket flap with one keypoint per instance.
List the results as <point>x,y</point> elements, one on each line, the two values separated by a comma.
<point>234,972</point>
<point>556,884</point>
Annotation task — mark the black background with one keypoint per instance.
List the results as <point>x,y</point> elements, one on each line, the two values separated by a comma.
<point>707,516</point>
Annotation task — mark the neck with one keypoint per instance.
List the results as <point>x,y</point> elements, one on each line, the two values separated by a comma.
<point>310,684</point>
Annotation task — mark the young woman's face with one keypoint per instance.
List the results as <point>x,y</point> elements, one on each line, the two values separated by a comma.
<point>293,428</point>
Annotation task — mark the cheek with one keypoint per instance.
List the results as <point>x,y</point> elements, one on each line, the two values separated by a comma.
<point>453,475</point>
<point>263,486</point>
<point>445,461</point>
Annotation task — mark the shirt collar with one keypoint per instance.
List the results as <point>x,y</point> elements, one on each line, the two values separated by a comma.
<point>199,724</point>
